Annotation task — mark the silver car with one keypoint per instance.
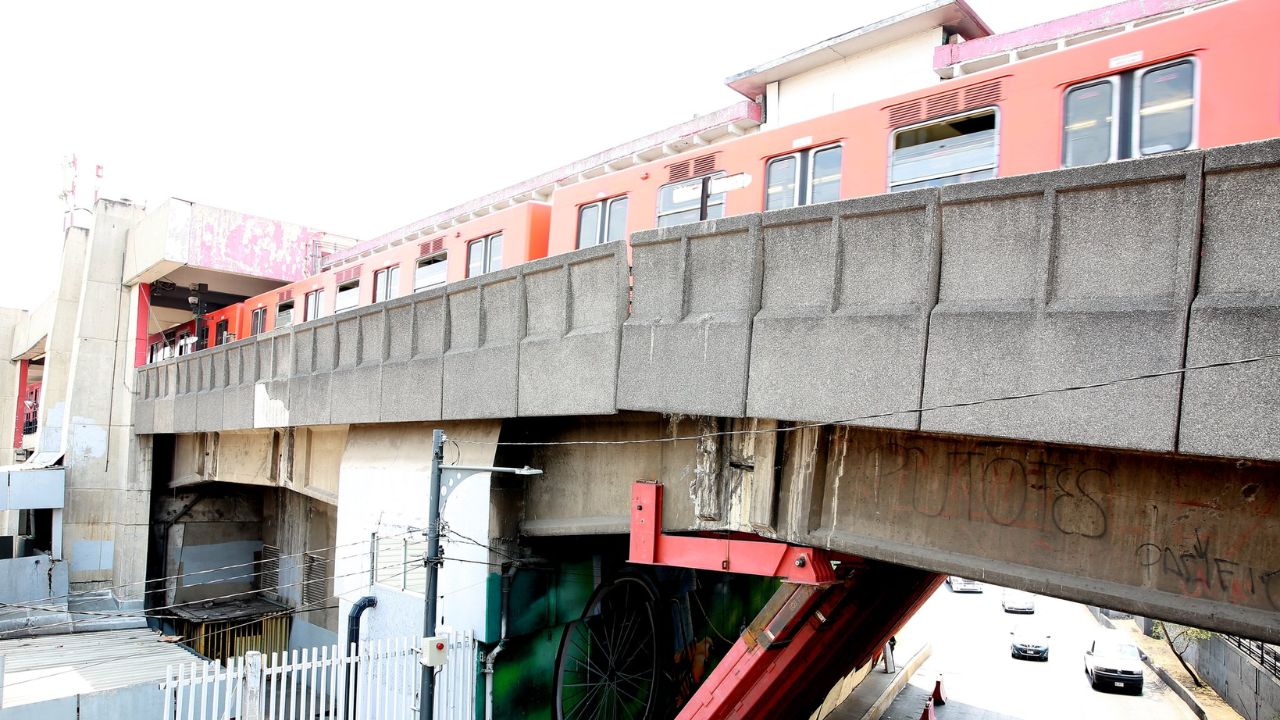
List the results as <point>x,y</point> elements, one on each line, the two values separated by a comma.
<point>1030,642</point>
<point>1017,601</point>
<point>959,584</point>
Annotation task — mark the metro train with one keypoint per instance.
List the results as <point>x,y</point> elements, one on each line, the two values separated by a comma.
<point>1199,80</point>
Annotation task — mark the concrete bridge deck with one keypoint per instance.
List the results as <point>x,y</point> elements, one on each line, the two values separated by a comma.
<point>1155,495</point>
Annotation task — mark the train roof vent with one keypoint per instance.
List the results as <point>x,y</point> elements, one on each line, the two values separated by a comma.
<point>904,113</point>
<point>678,171</point>
<point>942,104</point>
<point>284,295</point>
<point>987,93</point>
<point>349,274</point>
<point>431,247</point>
<point>705,164</point>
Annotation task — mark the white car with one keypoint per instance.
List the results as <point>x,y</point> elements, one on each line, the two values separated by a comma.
<point>959,584</point>
<point>1017,601</point>
<point>1114,663</point>
<point>1029,641</point>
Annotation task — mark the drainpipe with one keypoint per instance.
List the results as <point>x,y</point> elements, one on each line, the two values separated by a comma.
<point>353,638</point>
<point>502,640</point>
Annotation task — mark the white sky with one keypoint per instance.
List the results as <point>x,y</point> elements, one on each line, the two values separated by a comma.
<point>357,121</point>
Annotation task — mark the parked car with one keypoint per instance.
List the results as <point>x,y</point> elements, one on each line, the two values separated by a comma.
<point>1114,663</point>
<point>1029,641</point>
<point>959,584</point>
<point>1017,601</point>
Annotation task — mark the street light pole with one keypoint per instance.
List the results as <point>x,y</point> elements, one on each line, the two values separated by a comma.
<point>426,699</point>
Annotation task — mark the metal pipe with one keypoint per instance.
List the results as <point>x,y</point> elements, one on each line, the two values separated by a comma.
<point>353,638</point>
<point>502,640</point>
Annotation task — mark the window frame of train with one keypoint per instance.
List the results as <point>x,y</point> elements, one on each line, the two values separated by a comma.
<point>707,200</point>
<point>220,330</point>
<point>257,321</point>
<point>969,173</point>
<point>284,310</point>
<point>313,304</point>
<point>385,282</point>
<point>486,264</point>
<point>603,225</point>
<point>440,259</point>
<point>349,290</point>
<point>802,180</point>
<point>1127,93</point>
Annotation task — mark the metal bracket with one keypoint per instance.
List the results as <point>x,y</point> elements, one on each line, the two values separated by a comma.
<point>797,564</point>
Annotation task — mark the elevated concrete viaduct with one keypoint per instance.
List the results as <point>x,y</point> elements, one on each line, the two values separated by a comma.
<point>1156,493</point>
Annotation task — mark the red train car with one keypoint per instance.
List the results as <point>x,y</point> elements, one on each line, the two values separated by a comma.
<point>1195,81</point>
<point>1204,79</point>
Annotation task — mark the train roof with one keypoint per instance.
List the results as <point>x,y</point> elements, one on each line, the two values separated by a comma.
<point>954,15</point>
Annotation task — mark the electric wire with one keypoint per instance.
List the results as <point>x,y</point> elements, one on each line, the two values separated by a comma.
<point>880,415</point>
<point>218,569</point>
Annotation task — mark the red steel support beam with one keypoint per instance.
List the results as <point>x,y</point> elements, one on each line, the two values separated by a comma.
<point>797,564</point>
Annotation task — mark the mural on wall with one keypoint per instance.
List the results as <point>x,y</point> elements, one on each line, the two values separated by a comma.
<point>250,245</point>
<point>591,631</point>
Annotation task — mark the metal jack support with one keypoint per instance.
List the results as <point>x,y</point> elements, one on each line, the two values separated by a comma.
<point>797,564</point>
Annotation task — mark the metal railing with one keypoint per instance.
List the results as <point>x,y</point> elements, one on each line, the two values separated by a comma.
<point>1268,656</point>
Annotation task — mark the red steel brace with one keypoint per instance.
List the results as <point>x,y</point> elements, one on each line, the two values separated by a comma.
<point>797,564</point>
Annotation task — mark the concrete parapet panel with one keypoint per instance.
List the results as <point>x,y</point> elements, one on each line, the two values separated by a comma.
<point>355,394</point>
<point>1235,410</point>
<point>248,362</point>
<point>1094,285</point>
<point>263,351</point>
<point>309,399</point>
<point>184,413</point>
<point>400,330</point>
<point>304,346</point>
<point>373,323</point>
<point>569,355</point>
<point>162,416</point>
<point>429,324</point>
<point>348,334</point>
<point>209,411</point>
<point>237,407</point>
<point>481,365</point>
<point>271,404</point>
<point>411,390</point>
<point>696,289</point>
<point>281,354</point>
<point>326,350</point>
<point>846,294</point>
<point>144,419</point>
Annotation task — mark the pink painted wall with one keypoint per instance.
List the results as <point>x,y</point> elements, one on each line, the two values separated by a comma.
<point>231,241</point>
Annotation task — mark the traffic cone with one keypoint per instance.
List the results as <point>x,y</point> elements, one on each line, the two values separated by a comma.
<point>928,711</point>
<point>939,697</point>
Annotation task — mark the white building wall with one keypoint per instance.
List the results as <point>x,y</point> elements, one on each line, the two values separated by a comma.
<point>875,74</point>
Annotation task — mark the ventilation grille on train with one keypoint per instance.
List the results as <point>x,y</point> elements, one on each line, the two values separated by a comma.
<point>284,295</point>
<point>349,274</point>
<point>691,168</point>
<point>431,247</point>
<point>974,96</point>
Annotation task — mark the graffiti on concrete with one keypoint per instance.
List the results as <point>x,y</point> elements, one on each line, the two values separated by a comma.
<point>1204,573</point>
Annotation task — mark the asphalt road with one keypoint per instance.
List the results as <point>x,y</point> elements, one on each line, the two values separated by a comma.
<point>970,637</point>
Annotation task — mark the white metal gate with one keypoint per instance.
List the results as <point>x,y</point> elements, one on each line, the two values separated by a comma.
<point>377,680</point>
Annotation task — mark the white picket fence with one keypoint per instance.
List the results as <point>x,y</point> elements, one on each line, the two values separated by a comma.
<point>378,680</point>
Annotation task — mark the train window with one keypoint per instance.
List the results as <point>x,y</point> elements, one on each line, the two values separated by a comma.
<point>782,190</point>
<point>602,222</point>
<point>311,305</point>
<point>348,296</point>
<point>220,332</point>
<point>385,283</point>
<point>284,313</point>
<point>803,178</point>
<point>258,321</point>
<point>942,152</point>
<point>690,201</point>
<point>1166,108</point>
<point>484,255</point>
<point>1089,124</point>
<point>431,271</point>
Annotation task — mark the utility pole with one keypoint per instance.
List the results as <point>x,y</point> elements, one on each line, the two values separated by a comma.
<point>426,698</point>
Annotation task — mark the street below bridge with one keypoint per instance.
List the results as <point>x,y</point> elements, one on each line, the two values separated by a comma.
<point>969,633</point>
